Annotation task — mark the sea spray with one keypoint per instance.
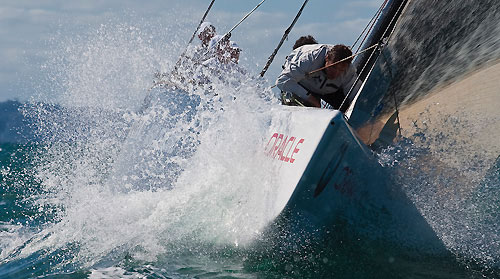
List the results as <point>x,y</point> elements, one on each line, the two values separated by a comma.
<point>90,218</point>
<point>186,172</point>
<point>454,186</point>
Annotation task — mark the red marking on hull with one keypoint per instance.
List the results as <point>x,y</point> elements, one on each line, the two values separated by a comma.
<point>281,144</point>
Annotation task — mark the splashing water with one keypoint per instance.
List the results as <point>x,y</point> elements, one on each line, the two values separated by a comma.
<point>182,185</point>
<point>453,185</point>
<point>186,171</point>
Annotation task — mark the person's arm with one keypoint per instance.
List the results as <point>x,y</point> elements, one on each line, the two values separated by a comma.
<point>289,78</point>
<point>295,69</point>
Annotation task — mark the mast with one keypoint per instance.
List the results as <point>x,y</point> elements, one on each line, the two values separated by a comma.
<point>382,29</point>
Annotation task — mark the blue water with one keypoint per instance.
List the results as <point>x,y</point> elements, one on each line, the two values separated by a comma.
<point>92,188</point>
<point>38,240</point>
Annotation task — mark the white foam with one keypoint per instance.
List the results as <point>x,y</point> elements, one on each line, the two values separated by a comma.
<point>144,185</point>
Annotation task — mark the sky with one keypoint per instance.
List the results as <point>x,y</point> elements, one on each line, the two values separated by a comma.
<point>38,34</point>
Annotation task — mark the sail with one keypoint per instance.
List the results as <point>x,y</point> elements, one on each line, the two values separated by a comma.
<point>438,72</point>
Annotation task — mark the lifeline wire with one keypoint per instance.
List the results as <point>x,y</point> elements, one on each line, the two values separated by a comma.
<point>285,36</point>
<point>363,32</point>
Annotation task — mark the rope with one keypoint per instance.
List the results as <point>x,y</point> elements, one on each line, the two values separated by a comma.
<point>285,36</point>
<point>340,61</point>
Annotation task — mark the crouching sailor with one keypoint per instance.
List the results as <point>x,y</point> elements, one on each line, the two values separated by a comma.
<point>301,87</point>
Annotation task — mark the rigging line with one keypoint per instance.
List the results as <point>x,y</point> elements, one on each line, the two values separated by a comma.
<point>377,15</point>
<point>402,6</point>
<point>358,77</point>
<point>285,36</point>
<point>245,17</point>
<point>374,16</point>
<point>228,33</point>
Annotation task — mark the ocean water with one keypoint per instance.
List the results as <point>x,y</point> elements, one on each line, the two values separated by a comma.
<point>208,231</point>
<point>181,189</point>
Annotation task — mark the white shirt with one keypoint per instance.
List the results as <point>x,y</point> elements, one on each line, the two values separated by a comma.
<point>308,58</point>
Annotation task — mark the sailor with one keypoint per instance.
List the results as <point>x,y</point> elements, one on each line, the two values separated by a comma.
<point>226,56</point>
<point>195,54</point>
<point>217,45</point>
<point>304,40</point>
<point>331,85</point>
<point>219,72</point>
<point>234,50</point>
<point>225,61</point>
<point>205,33</point>
<point>224,50</point>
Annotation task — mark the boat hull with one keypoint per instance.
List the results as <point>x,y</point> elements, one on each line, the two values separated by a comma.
<point>343,185</point>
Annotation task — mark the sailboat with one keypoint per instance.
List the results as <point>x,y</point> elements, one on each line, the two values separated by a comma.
<point>328,173</point>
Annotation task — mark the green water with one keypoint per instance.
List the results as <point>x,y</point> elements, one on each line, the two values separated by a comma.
<point>343,255</point>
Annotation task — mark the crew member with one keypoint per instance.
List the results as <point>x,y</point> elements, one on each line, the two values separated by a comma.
<point>206,33</point>
<point>304,40</point>
<point>195,54</point>
<point>224,61</point>
<point>331,85</point>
